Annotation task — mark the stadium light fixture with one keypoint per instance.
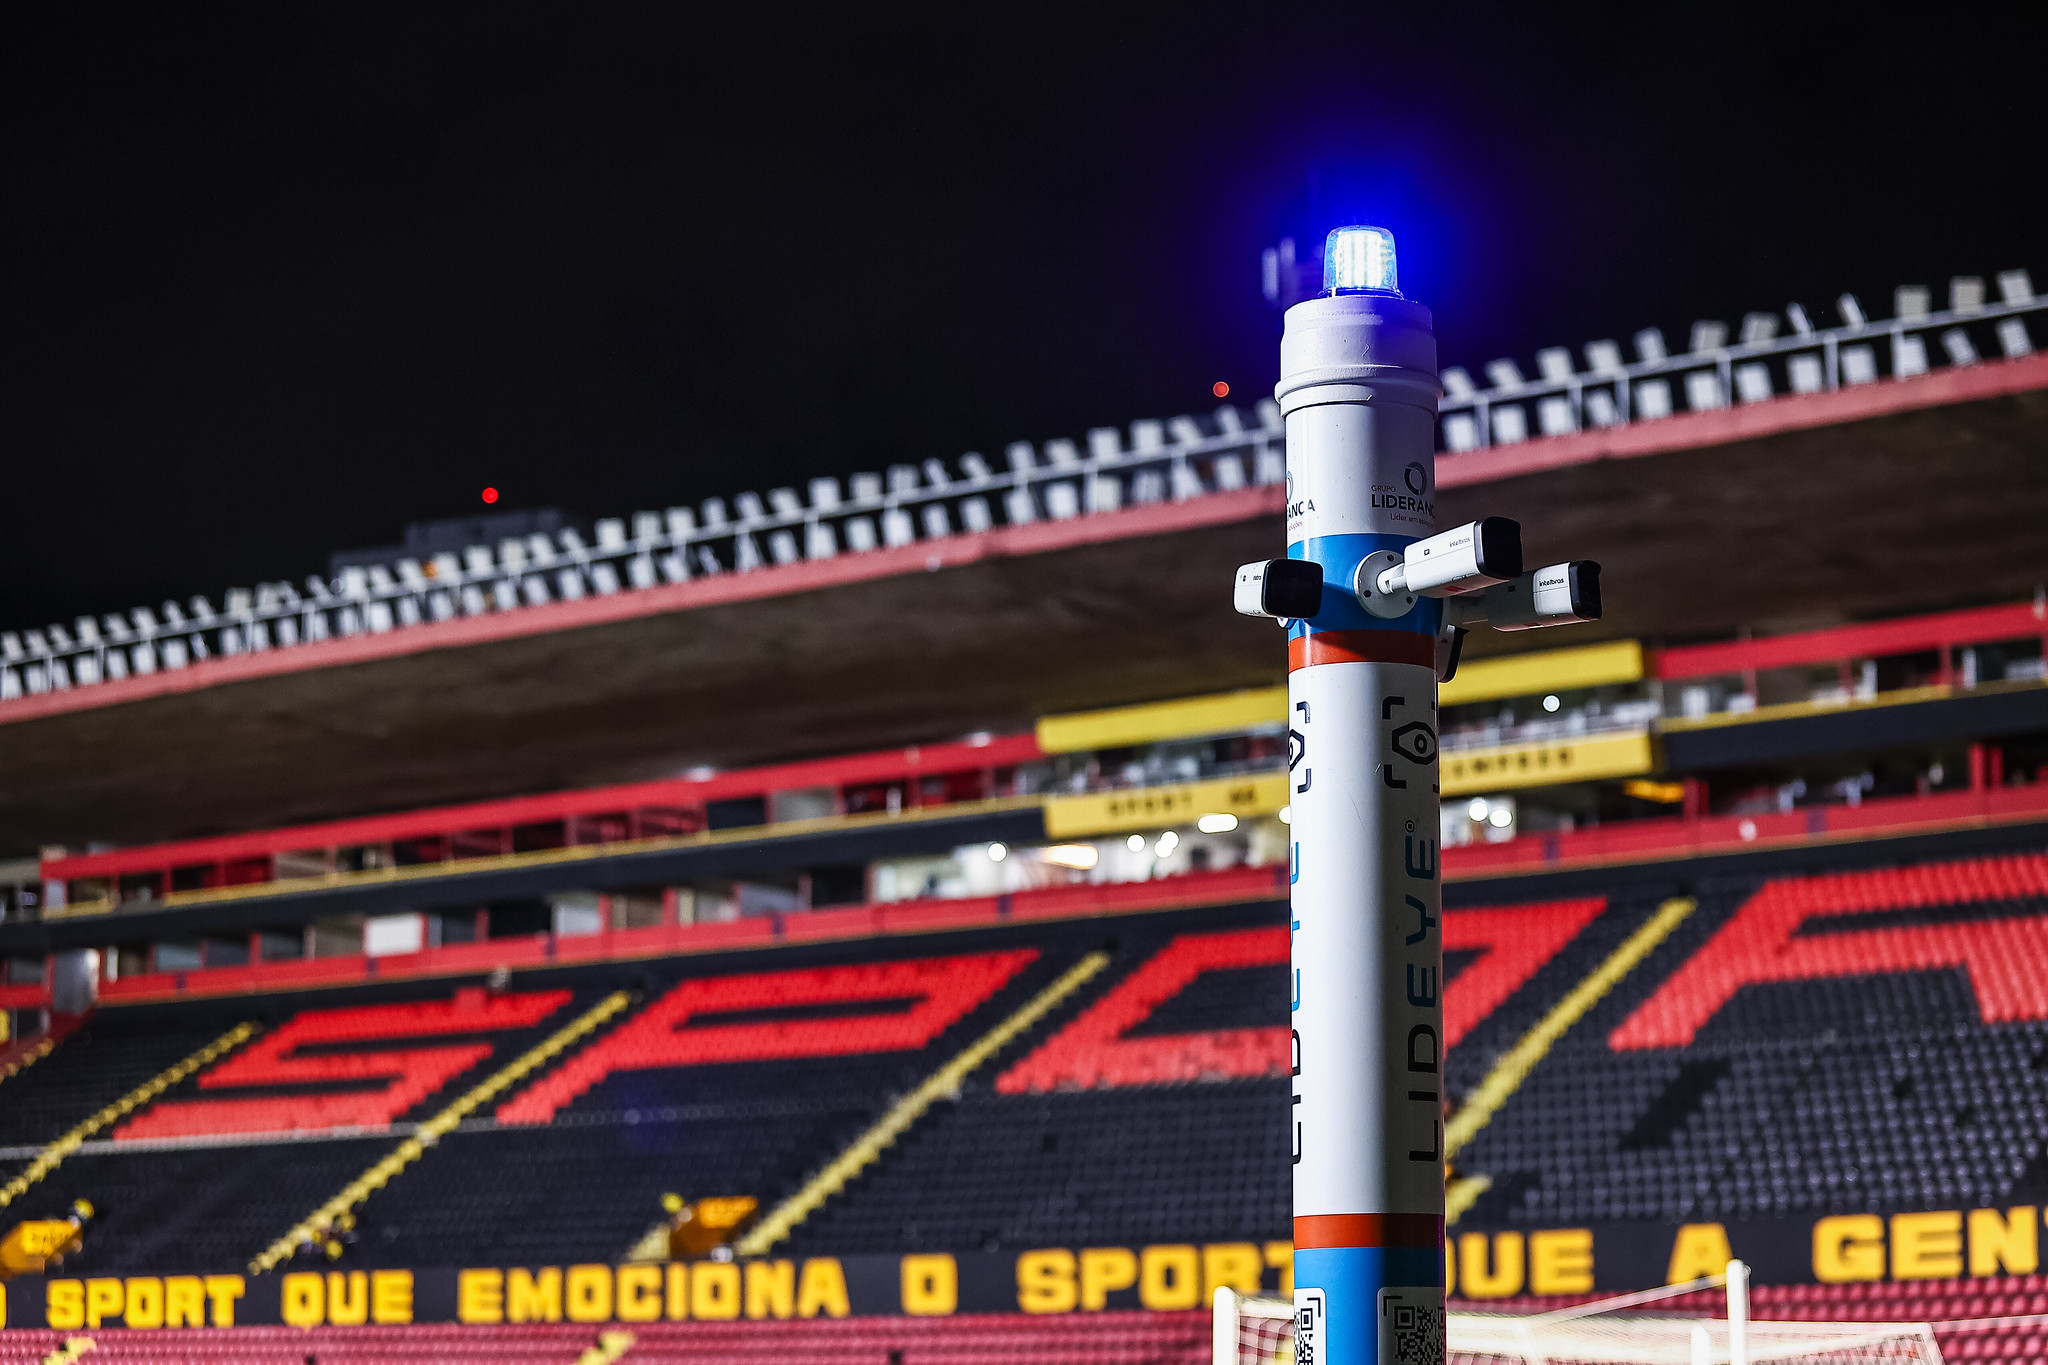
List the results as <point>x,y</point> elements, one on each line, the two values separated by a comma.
<point>1220,822</point>
<point>1376,602</point>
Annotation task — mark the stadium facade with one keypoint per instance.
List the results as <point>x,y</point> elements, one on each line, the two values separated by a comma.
<point>860,913</point>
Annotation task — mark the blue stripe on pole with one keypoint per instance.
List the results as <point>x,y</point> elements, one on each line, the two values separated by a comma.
<point>1339,557</point>
<point>1351,1279</point>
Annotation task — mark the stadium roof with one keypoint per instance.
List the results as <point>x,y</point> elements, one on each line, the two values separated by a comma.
<point>1918,493</point>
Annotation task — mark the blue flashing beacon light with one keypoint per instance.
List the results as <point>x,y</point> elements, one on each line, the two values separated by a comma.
<point>1360,260</point>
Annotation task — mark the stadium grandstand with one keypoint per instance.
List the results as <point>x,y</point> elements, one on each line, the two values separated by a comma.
<point>821,927</point>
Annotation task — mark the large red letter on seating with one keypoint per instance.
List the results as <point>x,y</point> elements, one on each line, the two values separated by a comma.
<point>409,1074</point>
<point>1761,944</point>
<point>662,1035</point>
<point>1093,1051</point>
<point>1514,942</point>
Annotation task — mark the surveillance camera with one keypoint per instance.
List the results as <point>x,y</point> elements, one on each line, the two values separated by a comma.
<point>1464,559</point>
<point>1289,589</point>
<point>1557,596</point>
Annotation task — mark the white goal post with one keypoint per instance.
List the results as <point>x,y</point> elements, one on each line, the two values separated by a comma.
<point>1254,1331</point>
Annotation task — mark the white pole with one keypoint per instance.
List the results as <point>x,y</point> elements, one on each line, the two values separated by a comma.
<point>1358,390</point>
<point>1702,1347</point>
<point>1223,1340</point>
<point>1738,1313</point>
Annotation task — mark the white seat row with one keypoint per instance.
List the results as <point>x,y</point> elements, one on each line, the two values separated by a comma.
<point>869,511</point>
<point>1715,373</point>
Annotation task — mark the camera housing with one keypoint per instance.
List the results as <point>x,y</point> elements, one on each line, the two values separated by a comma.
<point>1464,559</point>
<point>1559,595</point>
<point>1283,589</point>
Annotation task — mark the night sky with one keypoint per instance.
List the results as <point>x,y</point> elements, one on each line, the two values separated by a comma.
<point>278,280</point>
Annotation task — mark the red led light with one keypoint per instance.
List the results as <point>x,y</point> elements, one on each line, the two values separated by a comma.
<point>490,495</point>
<point>1220,389</point>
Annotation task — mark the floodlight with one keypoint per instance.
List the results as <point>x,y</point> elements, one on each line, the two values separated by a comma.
<point>1360,260</point>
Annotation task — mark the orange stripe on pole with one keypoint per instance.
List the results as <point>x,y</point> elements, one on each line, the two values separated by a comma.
<point>1361,647</point>
<point>1425,1230</point>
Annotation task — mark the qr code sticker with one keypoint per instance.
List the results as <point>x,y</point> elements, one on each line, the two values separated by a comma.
<point>1308,1326</point>
<point>1411,1327</point>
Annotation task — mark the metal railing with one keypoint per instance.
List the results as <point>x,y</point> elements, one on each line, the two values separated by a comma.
<point>1156,462</point>
<point>1188,457</point>
<point>1716,373</point>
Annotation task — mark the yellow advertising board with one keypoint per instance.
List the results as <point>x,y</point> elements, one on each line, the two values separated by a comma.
<point>1224,713</point>
<point>1550,670</point>
<point>1068,817</point>
<point>1472,772</point>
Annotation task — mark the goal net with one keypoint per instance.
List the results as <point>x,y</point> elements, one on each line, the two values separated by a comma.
<point>1252,1331</point>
